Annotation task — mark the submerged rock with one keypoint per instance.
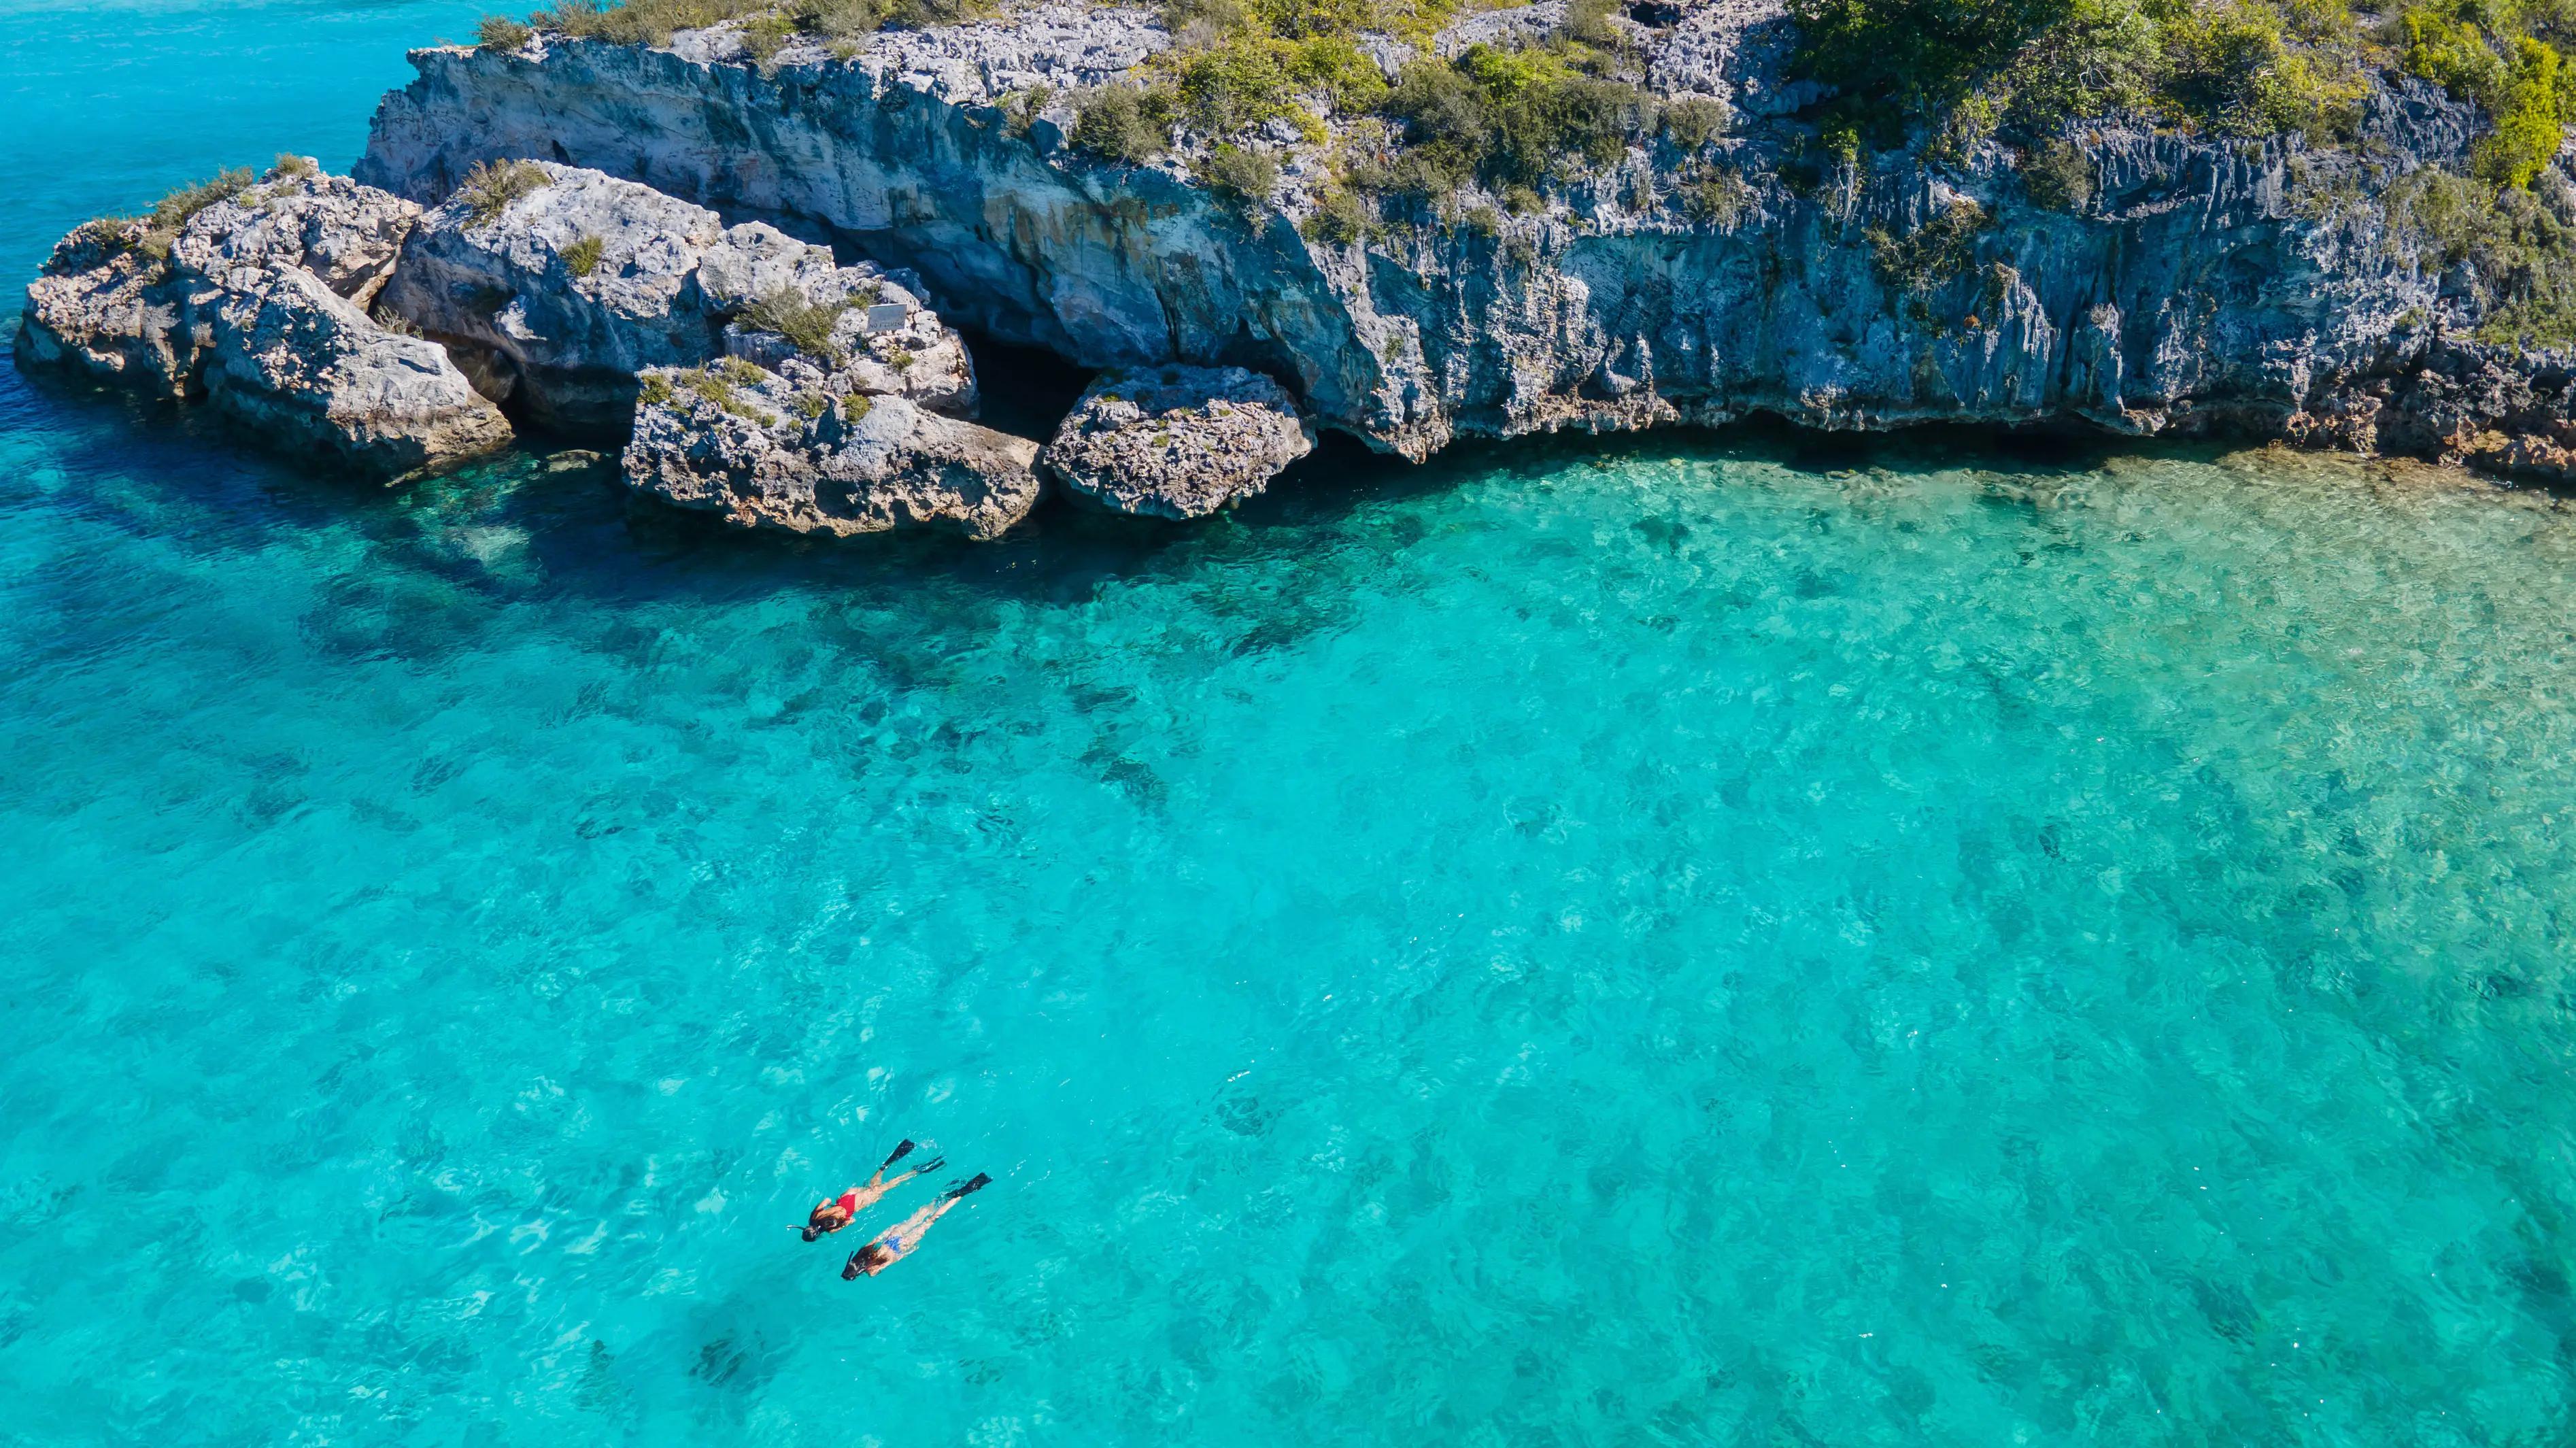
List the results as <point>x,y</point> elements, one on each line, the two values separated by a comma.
<point>771,451</point>
<point>1177,442</point>
<point>559,286</point>
<point>255,303</point>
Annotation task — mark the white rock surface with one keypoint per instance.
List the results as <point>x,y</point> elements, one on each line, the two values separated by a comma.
<point>1177,442</point>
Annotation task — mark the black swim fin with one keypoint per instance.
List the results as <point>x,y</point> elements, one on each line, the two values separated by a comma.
<point>980,1180</point>
<point>930,1166</point>
<point>900,1152</point>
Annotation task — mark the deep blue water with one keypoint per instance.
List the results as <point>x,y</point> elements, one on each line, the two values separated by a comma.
<point>1698,940</point>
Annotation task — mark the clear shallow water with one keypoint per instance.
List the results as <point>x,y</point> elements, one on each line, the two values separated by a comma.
<point>1682,942</point>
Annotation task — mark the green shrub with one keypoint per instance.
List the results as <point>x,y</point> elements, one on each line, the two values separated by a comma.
<point>1693,122</point>
<point>172,211</point>
<point>1124,123</point>
<point>1344,74</point>
<point>1232,86</point>
<point>1592,22</point>
<point>491,186</point>
<point>1443,112</point>
<point>931,14</point>
<point>1340,218</point>
<point>763,36</point>
<point>2227,65</point>
<point>582,257</point>
<point>839,20</point>
<point>1892,59</point>
<point>2105,57</point>
<point>1412,20</point>
<point>1932,253</point>
<point>2531,111</point>
<point>2451,52</point>
<point>500,32</point>
<point>653,390</point>
<point>811,405</point>
<point>1243,175</point>
<point>2057,174</point>
<point>1720,198</point>
<point>2491,53</point>
<point>290,164</point>
<point>1514,117</point>
<point>1024,107</point>
<point>2518,255</point>
<point>806,325</point>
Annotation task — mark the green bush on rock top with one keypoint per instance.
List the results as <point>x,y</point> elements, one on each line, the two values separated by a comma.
<point>2515,250</point>
<point>1124,123</point>
<point>2232,67</point>
<point>490,187</point>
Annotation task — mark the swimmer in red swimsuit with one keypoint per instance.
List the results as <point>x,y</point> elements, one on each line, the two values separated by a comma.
<point>833,1215</point>
<point>898,1242</point>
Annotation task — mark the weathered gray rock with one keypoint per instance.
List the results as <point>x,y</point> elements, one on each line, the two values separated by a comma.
<point>347,236</point>
<point>301,364</point>
<point>104,306</point>
<point>256,306</point>
<point>2201,284</point>
<point>559,299</point>
<point>766,452</point>
<point>882,342</point>
<point>1177,442</point>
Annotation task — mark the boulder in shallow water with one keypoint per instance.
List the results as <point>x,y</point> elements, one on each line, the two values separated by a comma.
<point>300,363</point>
<point>770,452</point>
<point>255,303</point>
<point>558,287</point>
<point>1177,442</point>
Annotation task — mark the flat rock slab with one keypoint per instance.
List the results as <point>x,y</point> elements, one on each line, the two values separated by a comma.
<point>1177,442</point>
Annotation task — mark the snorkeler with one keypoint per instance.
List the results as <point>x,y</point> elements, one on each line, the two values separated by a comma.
<point>833,1215</point>
<point>898,1242</point>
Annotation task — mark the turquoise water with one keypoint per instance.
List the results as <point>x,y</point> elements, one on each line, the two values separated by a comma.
<point>1694,941</point>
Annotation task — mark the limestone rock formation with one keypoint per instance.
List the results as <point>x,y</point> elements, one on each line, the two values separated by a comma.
<point>768,451</point>
<point>866,331</point>
<point>295,360</point>
<point>558,286</point>
<point>1177,442</point>
<point>2165,282</point>
<point>255,303</point>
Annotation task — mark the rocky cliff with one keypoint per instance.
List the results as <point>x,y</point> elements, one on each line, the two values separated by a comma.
<point>2176,284</point>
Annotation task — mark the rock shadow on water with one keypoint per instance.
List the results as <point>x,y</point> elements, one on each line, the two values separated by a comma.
<point>540,519</point>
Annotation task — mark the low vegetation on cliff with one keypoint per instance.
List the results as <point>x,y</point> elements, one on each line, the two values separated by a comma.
<point>768,24</point>
<point>1533,110</point>
<point>2245,68</point>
